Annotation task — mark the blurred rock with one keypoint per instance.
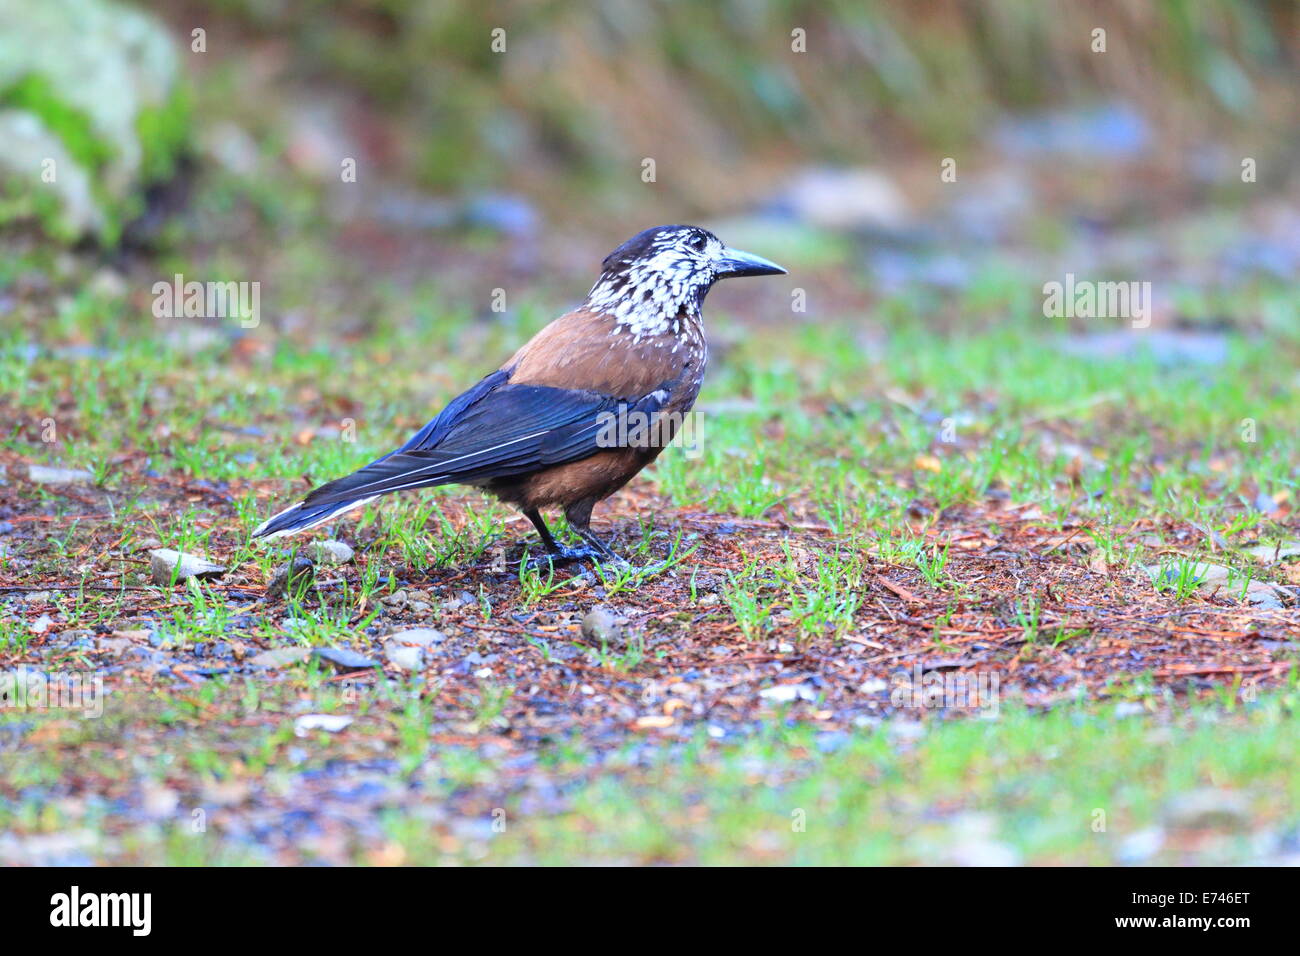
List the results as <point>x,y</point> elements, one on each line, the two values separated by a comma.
<point>158,801</point>
<point>318,141</point>
<point>1272,553</point>
<point>1136,848</point>
<point>114,646</point>
<point>403,208</point>
<point>972,841</point>
<point>895,268</point>
<point>1252,256</point>
<point>420,636</point>
<point>403,657</point>
<point>1227,583</point>
<point>27,144</point>
<point>45,475</point>
<point>231,147</point>
<point>114,69</point>
<point>990,207</point>
<point>406,649</point>
<point>191,339</point>
<point>68,847</point>
<point>110,284</point>
<point>1171,349</point>
<point>842,199</point>
<point>1208,809</point>
<point>1112,131</point>
<point>502,212</point>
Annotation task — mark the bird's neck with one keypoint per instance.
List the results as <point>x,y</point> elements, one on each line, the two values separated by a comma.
<point>648,304</point>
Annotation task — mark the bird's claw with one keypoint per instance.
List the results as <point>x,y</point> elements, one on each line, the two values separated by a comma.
<point>544,563</point>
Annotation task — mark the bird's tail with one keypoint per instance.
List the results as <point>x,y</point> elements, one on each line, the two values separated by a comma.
<point>334,498</point>
<point>303,517</point>
<point>525,428</point>
<point>321,504</point>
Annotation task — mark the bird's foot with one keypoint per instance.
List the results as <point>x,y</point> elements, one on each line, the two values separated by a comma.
<point>562,554</point>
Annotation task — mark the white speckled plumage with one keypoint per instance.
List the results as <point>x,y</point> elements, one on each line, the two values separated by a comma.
<point>651,294</point>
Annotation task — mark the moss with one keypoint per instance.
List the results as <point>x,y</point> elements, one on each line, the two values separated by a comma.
<point>22,205</point>
<point>34,94</point>
<point>164,132</point>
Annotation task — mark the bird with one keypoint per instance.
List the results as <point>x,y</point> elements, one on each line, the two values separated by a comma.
<point>543,430</point>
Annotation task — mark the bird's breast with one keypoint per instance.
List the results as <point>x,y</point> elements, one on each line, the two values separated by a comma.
<point>595,351</point>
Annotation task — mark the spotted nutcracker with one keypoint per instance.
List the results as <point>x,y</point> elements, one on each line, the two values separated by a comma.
<point>536,433</point>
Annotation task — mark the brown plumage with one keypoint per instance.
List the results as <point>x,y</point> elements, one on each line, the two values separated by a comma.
<point>588,347</point>
<point>539,432</point>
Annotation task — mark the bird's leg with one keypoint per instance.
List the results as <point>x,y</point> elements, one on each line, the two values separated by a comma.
<point>555,550</point>
<point>539,523</point>
<point>579,516</point>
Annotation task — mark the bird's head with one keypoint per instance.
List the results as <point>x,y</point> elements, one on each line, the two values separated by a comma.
<point>664,273</point>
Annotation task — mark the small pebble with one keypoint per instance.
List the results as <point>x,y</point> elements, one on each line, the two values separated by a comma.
<point>420,636</point>
<point>404,657</point>
<point>293,579</point>
<point>344,660</point>
<point>332,552</point>
<point>166,564</point>
<point>788,693</point>
<point>280,657</point>
<point>330,723</point>
<point>600,626</point>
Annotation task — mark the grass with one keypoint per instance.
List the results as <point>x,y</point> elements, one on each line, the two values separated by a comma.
<point>1152,442</point>
<point>880,487</point>
<point>1026,787</point>
<point>1080,785</point>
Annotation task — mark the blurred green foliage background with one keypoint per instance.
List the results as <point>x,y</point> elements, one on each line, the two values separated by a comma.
<point>715,92</point>
<point>563,101</point>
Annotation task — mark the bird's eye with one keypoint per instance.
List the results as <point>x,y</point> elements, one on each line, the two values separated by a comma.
<point>698,243</point>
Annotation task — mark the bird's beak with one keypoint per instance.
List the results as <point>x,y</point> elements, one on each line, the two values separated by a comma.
<point>734,263</point>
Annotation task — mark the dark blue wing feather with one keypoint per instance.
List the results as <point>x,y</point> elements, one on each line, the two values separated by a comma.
<point>431,434</point>
<point>492,431</point>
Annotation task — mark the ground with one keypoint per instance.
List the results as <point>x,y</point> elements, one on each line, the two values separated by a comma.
<point>941,580</point>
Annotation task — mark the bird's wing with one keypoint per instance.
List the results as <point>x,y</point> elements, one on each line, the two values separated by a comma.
<point>499,430</point>
<point>431,434</point>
